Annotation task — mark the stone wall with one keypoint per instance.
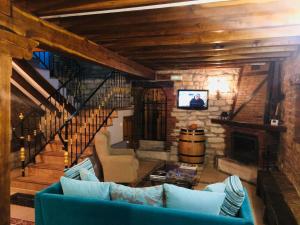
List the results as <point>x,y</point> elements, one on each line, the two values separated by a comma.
<point>203,79</point>
<point>289,160</point>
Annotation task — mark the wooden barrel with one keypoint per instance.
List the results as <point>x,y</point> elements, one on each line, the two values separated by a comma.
<point>191,147</point>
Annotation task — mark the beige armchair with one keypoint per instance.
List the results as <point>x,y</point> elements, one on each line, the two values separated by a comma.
<point>119,165</point>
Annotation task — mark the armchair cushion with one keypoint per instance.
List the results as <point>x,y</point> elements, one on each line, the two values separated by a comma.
<point>117,167</point>
<point>122,151</point>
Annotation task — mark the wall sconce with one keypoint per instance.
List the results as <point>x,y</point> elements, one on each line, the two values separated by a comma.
<point>218,85</point>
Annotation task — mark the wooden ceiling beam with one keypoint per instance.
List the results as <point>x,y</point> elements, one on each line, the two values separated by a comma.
<point>54,7</point>
<point>174,14</point>
<point>5,7</point>
<point>187,65</point>
<point>242,51</point>
<point>219,58</point>
<point>210,37</point>
<point>57,38</point>
<point>273,42</point>
<point>110,33</point>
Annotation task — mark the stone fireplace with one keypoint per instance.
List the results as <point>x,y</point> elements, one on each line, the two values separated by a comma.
<point>244,148</point>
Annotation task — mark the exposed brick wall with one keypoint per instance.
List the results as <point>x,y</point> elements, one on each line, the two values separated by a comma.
<point>171,120</point>
<point>290,148</point>
<point>199,79</point>
<point>254,111</point>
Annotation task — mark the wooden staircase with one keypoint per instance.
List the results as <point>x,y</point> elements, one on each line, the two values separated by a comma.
<point>49,165</point>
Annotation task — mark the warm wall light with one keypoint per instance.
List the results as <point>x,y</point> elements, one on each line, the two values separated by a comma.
<point>218,85</point>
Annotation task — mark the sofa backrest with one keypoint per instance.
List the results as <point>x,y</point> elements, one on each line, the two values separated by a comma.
<point>53,208</point>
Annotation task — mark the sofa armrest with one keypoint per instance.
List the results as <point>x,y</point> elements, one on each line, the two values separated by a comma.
<point>246,211</point>
<point>122,151</point>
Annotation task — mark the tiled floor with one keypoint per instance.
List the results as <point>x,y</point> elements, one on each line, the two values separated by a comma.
<point>208,175</point>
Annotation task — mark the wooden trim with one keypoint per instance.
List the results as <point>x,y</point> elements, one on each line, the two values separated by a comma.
<point>250,125</point>
<point>251,97</point>
<point>269,93</point>
<point>28,69</point>
<point>5,130</point>
<point>62,40</point>
<point>237,92</point>
<point>22,82</point>
<point>5,7</point>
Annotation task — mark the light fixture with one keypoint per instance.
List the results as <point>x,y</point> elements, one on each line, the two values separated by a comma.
<point>218,85</point>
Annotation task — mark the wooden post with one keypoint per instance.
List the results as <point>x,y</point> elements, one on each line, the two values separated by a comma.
<point>5,74</point>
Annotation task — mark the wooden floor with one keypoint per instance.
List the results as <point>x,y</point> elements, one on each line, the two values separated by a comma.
<point>207,175</point>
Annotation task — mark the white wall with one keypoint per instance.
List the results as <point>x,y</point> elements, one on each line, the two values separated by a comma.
<point>116,130</point>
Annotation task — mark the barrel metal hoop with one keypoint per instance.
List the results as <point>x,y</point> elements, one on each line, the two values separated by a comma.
<point>191,155</point>
<point>191,141</point>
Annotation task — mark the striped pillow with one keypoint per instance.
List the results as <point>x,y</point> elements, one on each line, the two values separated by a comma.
<point>235,196</point>
<point>73,172</point>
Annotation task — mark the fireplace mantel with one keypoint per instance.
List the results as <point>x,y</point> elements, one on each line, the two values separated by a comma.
<point>265,127</point>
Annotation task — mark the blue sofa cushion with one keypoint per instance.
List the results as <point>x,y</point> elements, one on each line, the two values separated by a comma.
<point>73,172</point>
<point>193,200</point>
<point>97,190</point>
<point>145,196</point>
<point>235,196</point>
<point>87,175</point>
<point>216,187</point>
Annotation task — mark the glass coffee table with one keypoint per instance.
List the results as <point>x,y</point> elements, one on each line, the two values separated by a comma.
<point>174,173</point>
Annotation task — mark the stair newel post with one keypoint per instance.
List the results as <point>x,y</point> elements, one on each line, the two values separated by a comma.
<point>85,127</point>
<point>29,146</point>
<point>89,120</point>
<point>76,139</point>
<point>80,130</point>
<point>45,124</point>
<point>66,145</point>
<point>119,90</point>
<point>71,140</point>
<point>22,148</point>
<point>35,139</point>
<point>96,115</point>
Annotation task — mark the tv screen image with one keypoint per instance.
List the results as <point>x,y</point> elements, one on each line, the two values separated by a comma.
<point>192,99</point>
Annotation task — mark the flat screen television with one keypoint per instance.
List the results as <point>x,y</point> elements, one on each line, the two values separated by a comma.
<point>192,99</point>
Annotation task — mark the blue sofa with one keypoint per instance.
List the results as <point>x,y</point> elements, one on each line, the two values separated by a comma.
<point>53,208</point>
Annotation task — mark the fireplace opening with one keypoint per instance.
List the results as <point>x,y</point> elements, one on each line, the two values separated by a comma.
<point>244,148</point>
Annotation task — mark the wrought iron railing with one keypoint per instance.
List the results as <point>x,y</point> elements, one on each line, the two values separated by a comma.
<point>79,130</point>
<point>38,127</point>
<point>74,112</point>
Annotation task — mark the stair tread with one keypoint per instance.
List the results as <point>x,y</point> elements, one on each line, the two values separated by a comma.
<point>50,166</point>
<point>36,179</point>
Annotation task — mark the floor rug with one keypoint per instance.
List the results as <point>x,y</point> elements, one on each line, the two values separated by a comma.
<point>14,221</point>
<point>21,199</point>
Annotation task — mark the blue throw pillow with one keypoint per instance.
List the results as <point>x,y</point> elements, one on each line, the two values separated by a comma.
<point>216,187</point>
<point>87,175</point>
<point>72,187</point>
<point>73,172</point>
<point>235,196</point>
<point>193,200</point>
<point>152,196</point>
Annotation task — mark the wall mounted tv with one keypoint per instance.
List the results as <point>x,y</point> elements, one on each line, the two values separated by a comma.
<point>192,99</point>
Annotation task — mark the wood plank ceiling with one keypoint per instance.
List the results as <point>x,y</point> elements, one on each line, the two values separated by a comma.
<point>211,34</point>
